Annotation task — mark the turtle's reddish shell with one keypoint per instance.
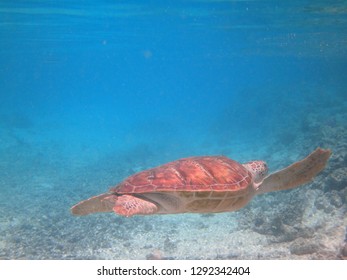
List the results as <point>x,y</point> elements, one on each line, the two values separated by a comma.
<point>194,174</point>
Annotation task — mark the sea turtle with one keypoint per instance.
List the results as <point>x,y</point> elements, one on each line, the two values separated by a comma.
<point>206,184</point>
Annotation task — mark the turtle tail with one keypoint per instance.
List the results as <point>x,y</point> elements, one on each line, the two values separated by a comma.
<point>100,203</point>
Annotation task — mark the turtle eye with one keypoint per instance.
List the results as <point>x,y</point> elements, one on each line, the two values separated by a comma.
<point>265,167</point>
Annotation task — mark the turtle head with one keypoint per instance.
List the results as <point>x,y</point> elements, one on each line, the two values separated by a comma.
<point>258,168</point>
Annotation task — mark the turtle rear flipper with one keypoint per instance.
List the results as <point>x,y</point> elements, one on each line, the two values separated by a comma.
<point>298,173</point>
<point>100,203</point>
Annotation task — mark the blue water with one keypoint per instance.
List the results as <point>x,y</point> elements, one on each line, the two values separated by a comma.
<point>93,92</point>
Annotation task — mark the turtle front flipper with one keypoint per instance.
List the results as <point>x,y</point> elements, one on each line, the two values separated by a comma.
<point>298,173</point>
<point>100,203</point>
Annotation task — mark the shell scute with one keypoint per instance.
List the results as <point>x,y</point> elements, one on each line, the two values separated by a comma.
<point>194,174</point>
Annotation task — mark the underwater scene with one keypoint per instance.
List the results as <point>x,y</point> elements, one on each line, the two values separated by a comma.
<point>93,92</point>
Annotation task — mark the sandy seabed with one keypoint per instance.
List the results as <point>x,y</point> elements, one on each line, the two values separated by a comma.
<point>305,223</point>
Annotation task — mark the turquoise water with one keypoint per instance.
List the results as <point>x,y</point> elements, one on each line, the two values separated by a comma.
<point>93,92</point>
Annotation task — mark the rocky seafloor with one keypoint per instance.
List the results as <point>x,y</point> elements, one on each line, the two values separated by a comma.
<point>304,223</point>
